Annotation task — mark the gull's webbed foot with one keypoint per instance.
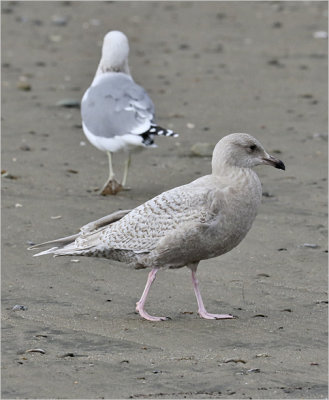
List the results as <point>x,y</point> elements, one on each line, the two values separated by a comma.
<point>111,187</point>
<point>206,315</point>
<point>147,316</point>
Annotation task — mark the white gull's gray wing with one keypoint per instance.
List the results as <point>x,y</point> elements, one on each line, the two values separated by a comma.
<point>115,106</point>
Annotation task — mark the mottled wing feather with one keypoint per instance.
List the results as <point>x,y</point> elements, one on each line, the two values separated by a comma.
<point>143,228</point>
<point>115,105</point>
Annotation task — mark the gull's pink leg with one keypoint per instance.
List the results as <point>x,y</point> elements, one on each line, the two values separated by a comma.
<point>202,311</point>
<point>140,304</point>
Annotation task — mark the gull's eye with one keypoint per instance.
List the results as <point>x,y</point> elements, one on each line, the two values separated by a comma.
<point>253,147</point>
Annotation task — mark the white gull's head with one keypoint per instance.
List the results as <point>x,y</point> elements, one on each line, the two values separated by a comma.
<point>242,151</point>
<point>115,53</point>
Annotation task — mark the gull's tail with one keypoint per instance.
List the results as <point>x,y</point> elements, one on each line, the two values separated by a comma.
<point>86,242</point>
<point>156,130</point>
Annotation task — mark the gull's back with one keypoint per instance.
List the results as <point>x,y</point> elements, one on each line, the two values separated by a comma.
<point>115,105</point>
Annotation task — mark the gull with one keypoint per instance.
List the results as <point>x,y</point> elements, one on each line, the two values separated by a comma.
<point>117,114</point>
<point>182,226</point>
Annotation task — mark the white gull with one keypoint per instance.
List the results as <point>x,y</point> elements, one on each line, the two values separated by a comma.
<point>203,219</point>
<point>117,114</point>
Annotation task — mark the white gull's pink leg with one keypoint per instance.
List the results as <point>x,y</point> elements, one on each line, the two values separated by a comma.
<point>140,304</point>
<point>202,311</point>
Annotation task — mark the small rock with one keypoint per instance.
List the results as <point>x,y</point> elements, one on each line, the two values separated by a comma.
<point>253,370</point>
<point>267,194</point>
<point>40,63</point>
<point>235,360</point>
<point>277,24</point>
<point>24,86</point>
<point>190,125</point>
<point>59,20</point>
<point>68,103</point>
<point>310,245</point>
<point>322,136</point>
<point>176,115</point>
<point>262,355</point>
<point>19,307</point>
<point>275,63</point>
<point>320,35</point>
<point>41,351</point>
<point>202,149</point>
<point>67,355</point>
<point>7,175</point>
<point>18,205</point>
<point>25,147</point>
<point>306,96</point>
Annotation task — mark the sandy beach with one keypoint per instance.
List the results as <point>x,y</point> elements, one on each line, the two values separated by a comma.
<point>211,68</point>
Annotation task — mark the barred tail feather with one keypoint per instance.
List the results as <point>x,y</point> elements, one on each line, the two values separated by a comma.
<point>156,130</point>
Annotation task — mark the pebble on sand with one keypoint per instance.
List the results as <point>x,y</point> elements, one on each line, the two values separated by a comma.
<point>19,307</point>
<point>68,103</point>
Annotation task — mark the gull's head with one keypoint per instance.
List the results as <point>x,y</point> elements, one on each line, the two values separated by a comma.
<point>243,151</point>
<point>115,53</point>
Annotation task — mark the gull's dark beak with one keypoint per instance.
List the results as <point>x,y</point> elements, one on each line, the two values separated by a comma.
<point>275,162</point>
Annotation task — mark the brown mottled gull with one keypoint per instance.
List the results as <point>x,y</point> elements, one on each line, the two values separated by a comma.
<point>203,219</point>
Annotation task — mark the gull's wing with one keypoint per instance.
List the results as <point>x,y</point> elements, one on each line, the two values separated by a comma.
<point>185,207</point>
<point>115,105</point>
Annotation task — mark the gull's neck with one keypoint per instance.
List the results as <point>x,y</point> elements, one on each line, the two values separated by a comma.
<point>231,173</point>
<point>104,67</point>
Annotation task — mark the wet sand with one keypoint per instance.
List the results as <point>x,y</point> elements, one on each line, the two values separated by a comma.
<point>211,69</point>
